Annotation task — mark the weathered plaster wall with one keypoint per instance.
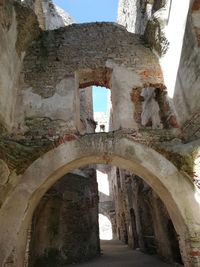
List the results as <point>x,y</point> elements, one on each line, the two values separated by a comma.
<point>134,14</point>
<point>34,106</point>
<point>60,108</point>
<point>14,39</point>
<point>122,62</point>
<point>181,77</point>
<point>65,223</point>
<point>179,53</point>
<point>187,90</point>
<point>18,27</point>
<point>61,53</point>
<point>10,63</point>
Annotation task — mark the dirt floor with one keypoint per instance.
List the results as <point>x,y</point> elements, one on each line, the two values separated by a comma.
<point>116,254</point>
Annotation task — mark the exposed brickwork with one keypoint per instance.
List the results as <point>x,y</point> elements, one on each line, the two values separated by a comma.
<point>195,253</point>
<point>20,152</point>
<point>97,76</point>
<point>196,5</point>
<point>61,52</point>
<point>168,119</point>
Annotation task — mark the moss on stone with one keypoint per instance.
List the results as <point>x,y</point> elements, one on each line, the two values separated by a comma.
<point>182,162</point>
<point>155,37</point>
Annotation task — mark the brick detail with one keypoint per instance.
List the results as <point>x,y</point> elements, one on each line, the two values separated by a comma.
<point>195,253</point>
<point>196,5</point>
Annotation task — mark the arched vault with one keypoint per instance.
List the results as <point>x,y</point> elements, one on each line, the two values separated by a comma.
<point>174,188</point>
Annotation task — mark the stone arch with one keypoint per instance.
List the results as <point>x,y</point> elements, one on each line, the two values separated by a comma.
<point>173,187</point>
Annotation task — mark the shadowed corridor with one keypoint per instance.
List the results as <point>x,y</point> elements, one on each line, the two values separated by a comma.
<point>117,254</point>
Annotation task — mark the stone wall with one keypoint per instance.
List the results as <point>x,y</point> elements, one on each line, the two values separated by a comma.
<point>18,28</point>
<point>41,103</point>
<point>65,223</point>
<point>55,17</point>
<point>134,14</point>
<point>187,91</point>
<point>87,122</point>
<point>63,51</point>
<point>14,39</point>
<point>142,220</point>
<point>61,55</point>
<point>179,57</point>
<point>20,197</point>
<point>49,15</point>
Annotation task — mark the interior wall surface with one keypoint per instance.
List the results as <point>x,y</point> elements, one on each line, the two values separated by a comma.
<point>175,190</point>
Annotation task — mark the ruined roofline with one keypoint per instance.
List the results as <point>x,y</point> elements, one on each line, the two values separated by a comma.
<point>96,23</point>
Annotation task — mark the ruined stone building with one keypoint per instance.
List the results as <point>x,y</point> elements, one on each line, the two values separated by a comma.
<point>49,150</point>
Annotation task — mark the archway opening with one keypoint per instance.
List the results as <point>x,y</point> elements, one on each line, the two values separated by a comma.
<point>71,219</point>
<point>105,228</point>
<point>90,150</point>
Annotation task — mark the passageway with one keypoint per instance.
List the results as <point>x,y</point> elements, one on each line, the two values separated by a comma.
<point>115,253</point>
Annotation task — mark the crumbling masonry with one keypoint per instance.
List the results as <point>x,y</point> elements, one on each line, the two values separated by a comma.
<point>49,151</point>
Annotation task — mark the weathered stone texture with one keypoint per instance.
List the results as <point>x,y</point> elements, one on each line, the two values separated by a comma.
<point>142,220</point>
<point>27,27</point>
<point>4,172</point>
<point>71,57</point>
<point>18,27</point>
<point>49,15</point>
<point>98,148</point>
<point>132,15</point>
<point>43,104</point>
<point>135,14</point>
<point>86,111</point>
<point>187,93</point>
<point>6,14</point>
<point>10,64</point>
<point>155,37</point>
<point>182,79</point>
<point>65,223</point>
<point>54,16</point>
<point>61,52</point>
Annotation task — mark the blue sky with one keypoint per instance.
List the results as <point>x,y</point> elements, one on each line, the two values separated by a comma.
<point>100,99</point>
<point>92,11</point>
